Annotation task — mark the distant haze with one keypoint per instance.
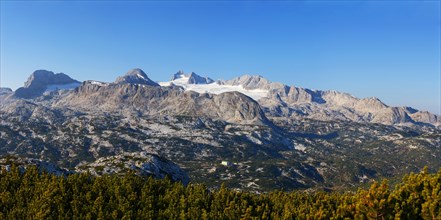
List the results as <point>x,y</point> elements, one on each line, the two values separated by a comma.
<point>390,50</point>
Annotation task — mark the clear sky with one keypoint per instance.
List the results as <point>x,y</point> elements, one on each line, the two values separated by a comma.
<point>390,50</point>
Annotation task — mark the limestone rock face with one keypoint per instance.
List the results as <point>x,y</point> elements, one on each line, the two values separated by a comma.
<point>254,82</point>
<point>143,164</point>
<point>298,103</point>
<point>152,100</point>
<point>426,117</point>
<point>43,80</point>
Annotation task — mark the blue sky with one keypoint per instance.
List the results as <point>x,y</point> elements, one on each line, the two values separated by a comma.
<point>390,50</point>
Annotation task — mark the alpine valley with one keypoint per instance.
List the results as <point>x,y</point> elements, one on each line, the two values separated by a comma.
<point>247,132</point>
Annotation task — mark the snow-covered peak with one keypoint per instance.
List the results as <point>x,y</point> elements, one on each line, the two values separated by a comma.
<point>180,74</point>
<point>196,83</point>
<point>191,78</point>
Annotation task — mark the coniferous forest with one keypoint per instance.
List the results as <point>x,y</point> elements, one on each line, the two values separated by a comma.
<point>34,195</point>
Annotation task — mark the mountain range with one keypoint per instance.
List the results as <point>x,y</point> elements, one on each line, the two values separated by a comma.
<point>249,132</point>
<point>274,99</point>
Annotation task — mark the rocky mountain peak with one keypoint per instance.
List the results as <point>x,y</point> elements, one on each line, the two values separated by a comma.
<point>42,80</point>
<point>180,74</point>
<point>136,76</point>
<point>137,72</point>
<point>191,78</point>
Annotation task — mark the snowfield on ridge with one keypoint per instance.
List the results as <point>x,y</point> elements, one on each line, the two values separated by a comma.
<point>216,88</point>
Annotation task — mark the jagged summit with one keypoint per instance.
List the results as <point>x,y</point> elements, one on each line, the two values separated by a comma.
<point>191,78</point>
<point>43,80</point>
<point>180,74</point>
<point>135,76</point>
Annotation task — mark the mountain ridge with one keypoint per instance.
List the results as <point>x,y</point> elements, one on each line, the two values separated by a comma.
<point>291,101</point>
<point>249,133</point>
<point>276,99</point>
<point>156,100</point>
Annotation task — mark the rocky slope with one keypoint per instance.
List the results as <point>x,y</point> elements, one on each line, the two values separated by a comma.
<point>295,102</point>
<point>143,164</point>
<point>155,100</point>
<point>279,100</point>
<point>7,162</point>
<point>290,138</point>
<point>292,154</point>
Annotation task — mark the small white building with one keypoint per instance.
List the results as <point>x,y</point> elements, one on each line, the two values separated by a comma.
<point>226,163</point>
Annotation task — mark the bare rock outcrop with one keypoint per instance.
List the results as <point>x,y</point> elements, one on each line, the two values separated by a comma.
<point>42,80</point>
<point>232,107</point>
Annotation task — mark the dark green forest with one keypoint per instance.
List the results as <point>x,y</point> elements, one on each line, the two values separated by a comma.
<point>34,195</point>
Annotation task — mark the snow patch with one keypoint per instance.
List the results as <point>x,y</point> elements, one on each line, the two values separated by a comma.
<point>97,83</point>
<point>68,86</point>
<point>140,76</point>
<point>215,88</point>
<point>164,84</point>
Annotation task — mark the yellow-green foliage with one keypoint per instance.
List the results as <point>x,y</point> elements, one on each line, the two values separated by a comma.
<point>32,195</point>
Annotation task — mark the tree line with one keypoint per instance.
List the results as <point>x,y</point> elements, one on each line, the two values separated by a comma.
<point>35,195</point>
